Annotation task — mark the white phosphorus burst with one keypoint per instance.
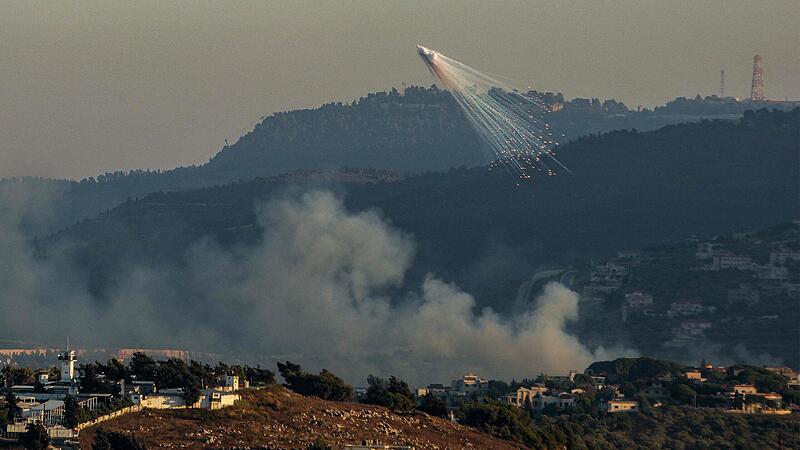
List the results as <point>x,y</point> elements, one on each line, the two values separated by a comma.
<point>511,124</point>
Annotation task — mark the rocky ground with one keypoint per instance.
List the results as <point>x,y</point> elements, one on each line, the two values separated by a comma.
<point>276,418</point>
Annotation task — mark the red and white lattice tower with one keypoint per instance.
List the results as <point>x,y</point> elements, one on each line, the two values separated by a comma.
<point>757,87</point>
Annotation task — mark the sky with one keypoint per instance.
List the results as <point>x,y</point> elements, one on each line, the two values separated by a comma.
<point>95,86</point>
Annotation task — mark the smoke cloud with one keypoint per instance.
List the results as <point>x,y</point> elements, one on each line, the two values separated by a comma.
<point>324,287</point>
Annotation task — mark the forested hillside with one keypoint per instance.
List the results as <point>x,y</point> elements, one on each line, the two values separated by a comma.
<point>417,130</point>
<point>479,229</point>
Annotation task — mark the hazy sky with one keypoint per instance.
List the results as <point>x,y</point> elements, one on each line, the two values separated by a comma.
<point>89,87</point>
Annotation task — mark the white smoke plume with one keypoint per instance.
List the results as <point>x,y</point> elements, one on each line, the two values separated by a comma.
<point>323,288</point>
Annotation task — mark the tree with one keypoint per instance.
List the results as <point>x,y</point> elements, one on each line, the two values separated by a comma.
<point>191,393</point>
<point>35,437</point>
<point>628,389</point>
<point>683,394</point>
<point>433,405</point>
<point>392,393</point>
<point>12,410</point>
<point>326,385</point>
<point>142,366</point>
<point>71,412</point>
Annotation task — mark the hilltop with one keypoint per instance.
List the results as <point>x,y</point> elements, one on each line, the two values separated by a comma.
<point>277,418</point>
<point>417,130</point>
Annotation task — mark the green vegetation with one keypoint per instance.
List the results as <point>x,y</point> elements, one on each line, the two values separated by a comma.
<point>35,437</point>
<point>170,373</point>
<point>666,427</point>
<point>326,385</point>
<point>433,405</point>
<point>628,369</point>
<point>392,393</point>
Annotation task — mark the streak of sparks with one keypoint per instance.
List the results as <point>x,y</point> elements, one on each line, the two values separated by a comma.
<point>510,124</point>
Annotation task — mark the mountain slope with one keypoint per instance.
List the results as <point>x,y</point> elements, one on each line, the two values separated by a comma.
<point>477,228</point>
<point>418,130</point>
<point>276,418</point>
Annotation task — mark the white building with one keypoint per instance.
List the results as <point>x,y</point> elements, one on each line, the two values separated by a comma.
<point>608,274</point>
<point>470,383</point>
<point>688,308</point>
<point>67,359</point>
<point>560,401</point>
<point>780,257</point>
<point>774,273</point>
<point>172,398</point>
<point>730,261</point>
<point>694,327</point>
<point>524,395</point>
<point>619,405</point>
<point>638,300</point>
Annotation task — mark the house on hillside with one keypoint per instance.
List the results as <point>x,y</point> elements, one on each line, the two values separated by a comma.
<point>619,405</point>
<point>525,395</point>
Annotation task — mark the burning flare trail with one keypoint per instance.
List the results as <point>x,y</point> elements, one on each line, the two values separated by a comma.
<point>511,124</point>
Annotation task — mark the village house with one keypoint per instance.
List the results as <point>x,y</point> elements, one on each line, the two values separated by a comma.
<point>744,389</point>
<point>173,398</point>
<point>559,401</point>
<point>619,405</point>
<point>782,256</point>
<point>694,375</point>
<point>525,395</point>
<point>469,383</point>
<point>731,261</point>
<point>638,301</point>
<point>695,327</point>
<point>772,273</point>
<point>687,308</point>
<point>608,274</point>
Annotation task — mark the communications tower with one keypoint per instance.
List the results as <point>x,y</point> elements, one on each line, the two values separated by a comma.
<point>757,87</point>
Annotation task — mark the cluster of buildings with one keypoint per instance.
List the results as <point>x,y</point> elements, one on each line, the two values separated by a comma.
<point>561,393</point>
<point>44,402</point>
<point>716,257</point>
<point>765,268</point>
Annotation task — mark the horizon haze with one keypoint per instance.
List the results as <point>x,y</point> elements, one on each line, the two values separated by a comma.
<point>102,86</point>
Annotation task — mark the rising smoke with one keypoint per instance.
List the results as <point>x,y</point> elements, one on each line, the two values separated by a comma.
<point>321,289</point>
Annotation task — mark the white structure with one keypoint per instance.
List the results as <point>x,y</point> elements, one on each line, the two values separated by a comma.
<point>470,383</point>
<point>638,300</point>
<point>171,398</point>
<point>780,257</point>
<point>67,359</point>
<point>608,274</point>
<point>560,401</point>
<point>524,395</point>
<point>730,261</point>
<point>619,405</point>
<point>687,308</point>
<point>772,273</point>
<point>694,327</point>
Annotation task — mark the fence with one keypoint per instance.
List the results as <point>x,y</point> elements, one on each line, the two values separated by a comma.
<point>117,413</point>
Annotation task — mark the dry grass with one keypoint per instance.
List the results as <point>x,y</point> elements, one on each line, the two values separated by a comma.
<point>276,418</point>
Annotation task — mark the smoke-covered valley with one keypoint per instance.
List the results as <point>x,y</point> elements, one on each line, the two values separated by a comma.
<point>323,286</point>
